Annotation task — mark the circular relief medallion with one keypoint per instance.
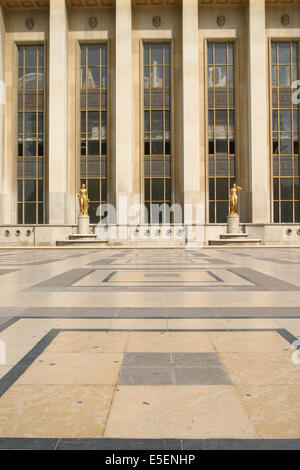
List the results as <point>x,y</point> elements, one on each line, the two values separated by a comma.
<point>221,20</point>
<point>29,23</point>
<point>156,21</point>
<point>285,19</point>
<point>93,22</point>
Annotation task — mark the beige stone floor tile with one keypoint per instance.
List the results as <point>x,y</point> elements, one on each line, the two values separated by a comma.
<point>195,324</point>
<point>262,368</point>
<point>249,323</point>
<point>195,412</point>
<point>15,352</point>
<point>143,324</point>
<point>248,341</point>
<point>3,370</point>
<point>81,323</point>
<point>86,341</point>
<point>157,299</point>
<point>43,411</point>
<point>23,336</point>
<point>273,410</point>
<point>169,342</point>
<point>27,323</point>
<point>290,324</point>
<point>73,368</point>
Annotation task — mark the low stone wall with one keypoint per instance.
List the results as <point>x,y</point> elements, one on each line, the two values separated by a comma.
<point>143,235</point>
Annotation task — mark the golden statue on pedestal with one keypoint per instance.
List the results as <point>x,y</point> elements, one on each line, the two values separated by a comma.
<point>234,198</point>
<point>84,201</point>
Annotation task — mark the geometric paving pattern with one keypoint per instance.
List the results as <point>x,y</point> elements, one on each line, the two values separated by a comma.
<point>156,349</point>
<point>111,384</point>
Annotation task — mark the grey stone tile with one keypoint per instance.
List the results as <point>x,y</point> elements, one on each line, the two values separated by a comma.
<point>263,280</point>
<point>217,261</point>
<point>196,359</point>
<point>27,444</point>
<point>3,320</point>
<point>141,312</point>
<point>6,271</point>
<point>257,311</point>
<point>100,262</point>
<point>119,444</point>
<point>145,376</point>
<point>190,312</point>
<point>66,279</point>
<point>63,312</point>
<point>201,376</point>
<point>241,444</point>
<point>146,359</point>
<point>8,322</point>
<point>8,311</point>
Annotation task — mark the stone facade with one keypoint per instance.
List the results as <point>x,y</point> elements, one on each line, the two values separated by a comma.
<point>124,25</point>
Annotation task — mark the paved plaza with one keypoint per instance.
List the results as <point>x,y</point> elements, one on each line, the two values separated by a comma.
<point>154,349</point>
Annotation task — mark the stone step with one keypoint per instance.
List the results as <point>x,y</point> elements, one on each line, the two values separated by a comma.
<point>81,236</point>
<point>82,243</point>
<point>235,242</point>
<point>235,236</point>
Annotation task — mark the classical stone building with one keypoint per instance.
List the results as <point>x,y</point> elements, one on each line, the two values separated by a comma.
<point>149,102</point>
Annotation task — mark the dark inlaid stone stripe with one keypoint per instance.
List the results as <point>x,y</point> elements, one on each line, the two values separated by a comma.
<point>147,444</point>
<point>262,281</point>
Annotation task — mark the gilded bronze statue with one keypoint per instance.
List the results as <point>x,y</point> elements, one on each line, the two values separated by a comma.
<point>234,198</point>
<point>84,201</point>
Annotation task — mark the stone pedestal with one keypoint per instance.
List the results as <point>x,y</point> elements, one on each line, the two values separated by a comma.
<point>83,225</point>
<point>234,235</point>
<point>83,239</point>
<point>233,223</point>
